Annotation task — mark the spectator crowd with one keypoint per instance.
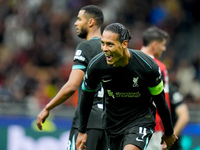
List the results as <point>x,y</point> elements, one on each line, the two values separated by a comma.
<point>38,41</point>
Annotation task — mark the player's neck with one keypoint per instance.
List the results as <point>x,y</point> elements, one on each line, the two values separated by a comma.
<point>93,33</point>
<point>124,60</point>
<point>147,50</point>
<point>127,57</point>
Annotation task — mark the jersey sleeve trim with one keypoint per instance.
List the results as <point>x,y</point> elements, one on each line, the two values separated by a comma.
<point>78,67</point>
<point>156,89</point>
<point>142,59</point>
<point>95,60</point>
<point>87,90</point>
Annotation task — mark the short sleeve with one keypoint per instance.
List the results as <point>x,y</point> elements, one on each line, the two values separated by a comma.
<point>80,57</point>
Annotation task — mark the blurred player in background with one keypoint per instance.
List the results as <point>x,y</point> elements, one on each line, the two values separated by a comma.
<point>180,114</point>
<point>154,43</point>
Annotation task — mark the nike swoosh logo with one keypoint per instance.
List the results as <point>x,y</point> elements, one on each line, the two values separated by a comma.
<point>139,140</point>
<point>107,80</point>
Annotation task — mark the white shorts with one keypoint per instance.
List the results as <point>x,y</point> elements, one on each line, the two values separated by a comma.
<point>154,143</point>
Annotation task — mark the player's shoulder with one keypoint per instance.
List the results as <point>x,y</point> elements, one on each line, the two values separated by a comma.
<point>135,51</point>
<point>83,44</point>
<point>160,64</point>
<point>143,58</point>
<point>90,42</point>
<point>94,40</point>
<point>90,47</point>
<point>97,61</point>
<point>140,54</point>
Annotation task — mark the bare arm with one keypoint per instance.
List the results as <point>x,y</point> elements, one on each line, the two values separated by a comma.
<point>65,92</point>
<point>183,118</point>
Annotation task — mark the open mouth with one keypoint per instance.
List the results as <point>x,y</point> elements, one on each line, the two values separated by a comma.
<point>109,58</point>
<point>77,30</point>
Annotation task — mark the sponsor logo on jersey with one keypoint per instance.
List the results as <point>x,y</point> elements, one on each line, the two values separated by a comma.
<point>110,93</point>
<point>78,55</point>
<point>78,52</point>
<point>123,94</point>
<point>127,94</point>
<point>81,58</point>
<point>135,82</point>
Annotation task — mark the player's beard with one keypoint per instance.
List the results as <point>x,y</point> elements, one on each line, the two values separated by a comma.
<point>83,33</point>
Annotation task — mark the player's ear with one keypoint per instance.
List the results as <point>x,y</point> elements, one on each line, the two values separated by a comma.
<point>125,44</point>
<point>91,22</point>
<point>154,44</point>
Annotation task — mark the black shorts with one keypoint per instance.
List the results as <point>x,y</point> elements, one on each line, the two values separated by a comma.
<point>138,136</point>
<point>96,139</point>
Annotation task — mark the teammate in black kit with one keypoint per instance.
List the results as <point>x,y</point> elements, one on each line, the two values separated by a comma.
<point>131,79</point>
<point>88,25</point>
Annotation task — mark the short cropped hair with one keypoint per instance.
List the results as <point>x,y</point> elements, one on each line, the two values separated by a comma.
<point>124,33</point>
<point>154,34</point>
<point>94,12</point>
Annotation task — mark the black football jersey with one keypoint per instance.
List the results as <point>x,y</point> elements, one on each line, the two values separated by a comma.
<point>85,51</point>
<point>128,90</point>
